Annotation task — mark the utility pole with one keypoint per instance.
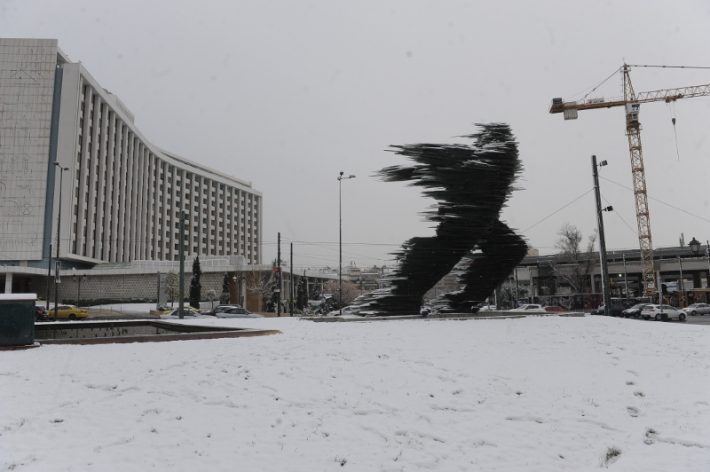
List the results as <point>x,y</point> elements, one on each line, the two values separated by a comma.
<point>181,294</point>
<point>278,275</point>
<point>290,278</point>
<point>532,285</point>
<point>602,241</point>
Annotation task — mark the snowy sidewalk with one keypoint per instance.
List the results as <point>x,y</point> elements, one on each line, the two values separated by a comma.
<point>532,394</point>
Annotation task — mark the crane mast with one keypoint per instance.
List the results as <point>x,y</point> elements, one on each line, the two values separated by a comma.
<point>631,101</point>
<point>638,174</point>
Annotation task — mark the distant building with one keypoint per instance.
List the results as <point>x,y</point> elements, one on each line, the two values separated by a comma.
<point>683,276</point>
<point>365,279</point>
<point>121,196</point>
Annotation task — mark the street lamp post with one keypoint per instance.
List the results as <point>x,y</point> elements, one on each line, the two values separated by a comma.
<point>59,225</point>
<point>78,279</point>
<point>236,289</point>
<point>341,177</point>
<point>681,288</point>
<point>626,278</point>
<point>49,276</point>
<point>694,246</point>
<point>181,278</point>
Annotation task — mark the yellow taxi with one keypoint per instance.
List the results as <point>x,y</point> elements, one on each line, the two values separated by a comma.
<point>68,312</point>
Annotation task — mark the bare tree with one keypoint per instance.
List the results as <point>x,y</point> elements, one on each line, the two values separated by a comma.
<point>260,283</point>
<point>171,286</point>
<point>350,290</point>
<point>570,241</point>
<point>572,264</point>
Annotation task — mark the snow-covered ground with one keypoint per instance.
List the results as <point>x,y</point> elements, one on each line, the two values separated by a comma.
<point>531,394</point>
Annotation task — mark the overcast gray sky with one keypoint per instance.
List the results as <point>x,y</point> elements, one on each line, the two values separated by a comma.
<point>287,93</point>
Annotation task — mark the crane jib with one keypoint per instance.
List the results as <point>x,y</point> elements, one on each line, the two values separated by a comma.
<point>631,102</point>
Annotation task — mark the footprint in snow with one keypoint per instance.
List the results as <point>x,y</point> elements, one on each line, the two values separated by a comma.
<point>633,412</point>
<point>650,436</point>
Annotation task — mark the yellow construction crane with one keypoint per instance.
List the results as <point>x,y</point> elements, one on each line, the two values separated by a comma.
<point>632,101</point>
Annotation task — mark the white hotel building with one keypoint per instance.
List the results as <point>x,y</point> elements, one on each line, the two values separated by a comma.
<point>121,196</point>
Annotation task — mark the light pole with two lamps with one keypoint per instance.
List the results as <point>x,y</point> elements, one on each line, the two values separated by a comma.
<point>341,177</point>
<point>602,240</point>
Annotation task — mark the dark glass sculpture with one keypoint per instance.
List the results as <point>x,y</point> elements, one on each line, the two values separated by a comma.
<point>471,184</point>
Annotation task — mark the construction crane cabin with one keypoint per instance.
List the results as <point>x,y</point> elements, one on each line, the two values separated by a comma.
<point>631,101</point>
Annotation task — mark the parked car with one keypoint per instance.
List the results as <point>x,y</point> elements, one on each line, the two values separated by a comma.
<point>236,312</point>
<point>662,312</point>
<point>697,309</point>
<point>529,308</point>
<point>634,311</point>
<point>555,309</point>
<point>68,312</point>
<point>220,309</point>
<point>444,308</point>
<point>40,313</point>
<point>347,310</point>
<point>615,309</point>
<point>186,311</point>
<point>488,308</point>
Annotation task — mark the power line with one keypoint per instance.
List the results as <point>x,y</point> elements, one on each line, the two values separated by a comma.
<point>557,211</point>
<point>616,212</point>
<point>661,201</point>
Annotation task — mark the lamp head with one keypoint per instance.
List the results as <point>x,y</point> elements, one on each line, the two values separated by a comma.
<point>342,176</point>
<point>694,246</point>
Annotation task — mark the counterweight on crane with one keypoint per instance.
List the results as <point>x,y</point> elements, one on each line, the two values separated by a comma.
<point>631,102</point>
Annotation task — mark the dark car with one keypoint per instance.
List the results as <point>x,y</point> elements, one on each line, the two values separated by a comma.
<point>40,313</point>
<point>634,311</point>
<point>614,310</point>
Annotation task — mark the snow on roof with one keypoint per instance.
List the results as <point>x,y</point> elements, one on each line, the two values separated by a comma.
<point>6,297</point>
